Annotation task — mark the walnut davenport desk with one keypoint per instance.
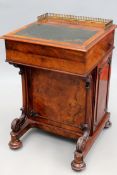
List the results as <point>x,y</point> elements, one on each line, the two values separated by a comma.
<point>65,64</point>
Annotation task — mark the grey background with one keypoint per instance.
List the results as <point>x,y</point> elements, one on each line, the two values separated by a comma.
<point>44,153</point>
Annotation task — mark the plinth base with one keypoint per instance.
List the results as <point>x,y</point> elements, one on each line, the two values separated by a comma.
<point>78,163</point>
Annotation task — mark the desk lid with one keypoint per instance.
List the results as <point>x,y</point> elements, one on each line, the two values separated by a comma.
<point>68,31</point>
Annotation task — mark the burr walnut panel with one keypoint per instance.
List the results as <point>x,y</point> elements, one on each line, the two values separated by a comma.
<point>58,97</point>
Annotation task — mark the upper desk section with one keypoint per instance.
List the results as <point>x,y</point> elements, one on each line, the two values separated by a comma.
<point>67,37</point>
<point>75,32</point>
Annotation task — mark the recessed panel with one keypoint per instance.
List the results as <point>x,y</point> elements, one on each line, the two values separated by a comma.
<point>58,97</point>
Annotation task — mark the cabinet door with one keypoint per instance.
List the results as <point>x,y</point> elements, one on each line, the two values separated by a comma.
<point>102,90</point>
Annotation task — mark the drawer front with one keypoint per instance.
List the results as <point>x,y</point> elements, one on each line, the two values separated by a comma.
<point>45,57</point>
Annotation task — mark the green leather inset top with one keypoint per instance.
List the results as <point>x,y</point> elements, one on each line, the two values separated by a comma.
<point>58,33</point>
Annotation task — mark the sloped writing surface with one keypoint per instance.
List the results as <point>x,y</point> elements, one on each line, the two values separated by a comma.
<point>57,32</point>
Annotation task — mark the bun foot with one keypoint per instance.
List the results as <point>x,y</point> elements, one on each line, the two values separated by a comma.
<point>15,144</point>
<point>108,124</point>
<point>78,166</point>
<point>78,163</point>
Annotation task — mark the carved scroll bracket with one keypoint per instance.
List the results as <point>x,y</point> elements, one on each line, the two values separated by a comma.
<point>32,113</point>
<point>88,82</point>
<point>78,163</point>
<point>17,123</point>
<point>83,139</point>
<point>21,72</point>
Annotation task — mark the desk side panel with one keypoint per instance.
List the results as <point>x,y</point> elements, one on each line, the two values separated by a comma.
<point>58,97</point>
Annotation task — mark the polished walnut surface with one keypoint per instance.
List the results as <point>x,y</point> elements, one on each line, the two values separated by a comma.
<point>65,65</point>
